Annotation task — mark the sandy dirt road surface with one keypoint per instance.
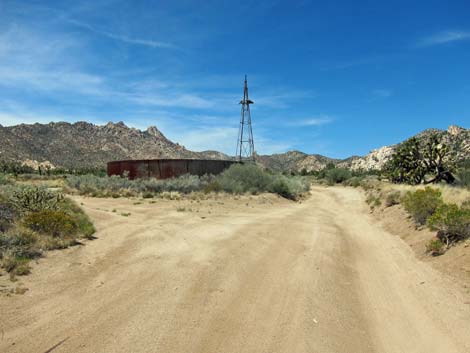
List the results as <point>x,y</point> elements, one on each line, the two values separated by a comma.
<point>247,275</point>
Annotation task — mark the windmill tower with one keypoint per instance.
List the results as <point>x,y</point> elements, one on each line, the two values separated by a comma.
<point>245,145</point>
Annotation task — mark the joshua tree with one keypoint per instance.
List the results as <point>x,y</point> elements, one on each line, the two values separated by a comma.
<point>414,160</point>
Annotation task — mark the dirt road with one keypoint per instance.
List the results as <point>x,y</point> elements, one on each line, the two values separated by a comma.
<point>250,275</point>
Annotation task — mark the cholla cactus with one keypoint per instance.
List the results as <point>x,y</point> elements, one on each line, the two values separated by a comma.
<point>34,199</point>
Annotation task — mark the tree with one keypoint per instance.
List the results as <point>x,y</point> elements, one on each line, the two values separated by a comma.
<point>406,165</point>
<point>438,161</point>
<point>416,160</point>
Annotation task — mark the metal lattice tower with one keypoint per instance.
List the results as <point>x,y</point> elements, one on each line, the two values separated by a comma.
<point>245,144</point>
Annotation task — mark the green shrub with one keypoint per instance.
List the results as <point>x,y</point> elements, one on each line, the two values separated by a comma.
<point>5,180</point>
<point>373,200</point>
<point>35,219</point>
<point>34,199</point>
<point>436,247</point>
<point>57,224</point>
<point>15,238</point>
<point>280,187</point>
<point>213,186</point>
<point>85,227</point>
<point>16,249</point>
<point>296,186</point>
<point>463,177</point>
<point>466,204</point>
<point>452,222</point>
<point>240,178</point>
<point>392,198</point>
<point>11,263</point>
<point>147,195</point>
<point>355,181</point>
<point>7,216</point>
<point>338,175</point>
<point>22,267</point>
<point>421,204</point>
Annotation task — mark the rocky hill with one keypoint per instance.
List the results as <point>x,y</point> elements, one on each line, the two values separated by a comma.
<point>457,138</point>
<point>87,145</point>
<point>295,161</point>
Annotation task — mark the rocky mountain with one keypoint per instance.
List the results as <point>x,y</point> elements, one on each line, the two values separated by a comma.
<point>295,161</point>
<point>457,138</point>
<point>87,145</point>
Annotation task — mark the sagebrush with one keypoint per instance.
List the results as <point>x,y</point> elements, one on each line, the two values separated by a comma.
<point>35,219</point>
<point>238,179</point>
<point>421,204</point>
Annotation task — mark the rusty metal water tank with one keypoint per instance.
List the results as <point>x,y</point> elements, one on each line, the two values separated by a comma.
<point>167,168</point>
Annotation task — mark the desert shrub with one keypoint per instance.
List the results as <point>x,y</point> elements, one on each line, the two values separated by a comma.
<point>35,219</point>
<point>421,204</point>
<point>105,186</point>
<point>15,265</point>
<point>15,168</point>
<point>373,200</point>
<point>436,247</point>
<point>116,186</point>
<point>392,198</point>
<point>338,175</point>
<point>18,243</point>
<point>34,199</point>
<point>213,186</point>
<point>16,250</point>
<point>370,183</point>
<point>463,175</point>
<point>250,178</point>
<point>147,195</point>
<point>55,223</point>
<point>321,174</point>
<point>5,180</point>
<point>7,215</point>
<point>452,222</point>
<point>184,184</point>
<point>355,181</point>
<point>240,178</point>
<point>465,204</point>
<point>280,187</point>
<point>289,187</point>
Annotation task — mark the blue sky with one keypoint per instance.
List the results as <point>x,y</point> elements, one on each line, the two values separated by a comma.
<point>337,78</point>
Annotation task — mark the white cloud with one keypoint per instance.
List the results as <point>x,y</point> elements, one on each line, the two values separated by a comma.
<point>8,118</point>
<point>45,80</point>
<point>315,121</point>
<point>444,37</point>
<point>281,100</point>
<point>268,146</point>
<point>120,37</point>
<point>183,100</point>
<point>222,139</point>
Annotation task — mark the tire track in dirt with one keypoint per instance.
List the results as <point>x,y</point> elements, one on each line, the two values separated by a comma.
<point>318,276</point>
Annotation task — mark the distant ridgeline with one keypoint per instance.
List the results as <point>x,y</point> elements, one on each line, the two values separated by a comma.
<point>85,145</point>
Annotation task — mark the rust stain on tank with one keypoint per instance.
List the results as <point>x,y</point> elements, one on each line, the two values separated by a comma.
<point>166,168</point>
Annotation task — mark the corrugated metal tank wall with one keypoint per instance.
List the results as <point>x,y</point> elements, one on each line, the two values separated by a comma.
<point>167,168</point>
